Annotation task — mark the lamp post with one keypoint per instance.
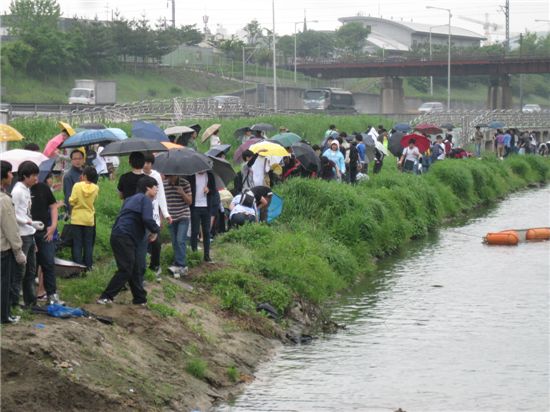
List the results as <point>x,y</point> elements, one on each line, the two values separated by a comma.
<point>448,56</point>
<point>431,77</point>
<point>295,43</point>
<point>274,61</point>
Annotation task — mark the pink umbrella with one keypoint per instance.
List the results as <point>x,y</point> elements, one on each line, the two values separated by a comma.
<point>17,156</point>
<point>53,145</point>
<point>237,157</point>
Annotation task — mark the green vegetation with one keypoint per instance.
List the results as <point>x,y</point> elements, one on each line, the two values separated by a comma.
<point>233,374</point>
<point>329,233</point>
<point>197,367</point>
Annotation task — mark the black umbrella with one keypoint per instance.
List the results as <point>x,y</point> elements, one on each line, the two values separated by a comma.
<point>264,127</point>
<point>218,149</point>
<point>96,126</point>
<point>448,126</point>
<point>394,143</point>
<point>240,132</point>
<point>223,169</point>
<point>307,156</point>
<point>182,162</point>
<point>368,140</point>
<point>131,145</point>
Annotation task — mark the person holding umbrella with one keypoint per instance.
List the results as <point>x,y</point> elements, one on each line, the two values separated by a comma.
<point>410,157</point>
<point>212,134</point>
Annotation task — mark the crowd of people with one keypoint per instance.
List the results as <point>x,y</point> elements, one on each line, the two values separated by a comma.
<point>193,207</point>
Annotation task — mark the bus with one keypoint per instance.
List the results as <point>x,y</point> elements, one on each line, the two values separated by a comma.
<point>328,99</point>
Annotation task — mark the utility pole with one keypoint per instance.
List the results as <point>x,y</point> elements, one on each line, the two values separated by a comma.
<point>173,14</point>
<point>274,61</point>
<point>506,10</point>
<point>521,74</point>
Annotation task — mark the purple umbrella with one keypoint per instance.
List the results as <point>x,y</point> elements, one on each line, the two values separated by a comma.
<point>237,157</point>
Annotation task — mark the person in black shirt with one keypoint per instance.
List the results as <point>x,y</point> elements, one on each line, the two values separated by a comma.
<point>127,184</point>
<point>44,209</point>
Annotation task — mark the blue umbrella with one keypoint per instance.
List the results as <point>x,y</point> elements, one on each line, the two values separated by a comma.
<point>495,124</point>
<point>402,127</point>
<point>93,136</point>
<point>148,130</point>
<point>45,169</point>
<point>275,208</point>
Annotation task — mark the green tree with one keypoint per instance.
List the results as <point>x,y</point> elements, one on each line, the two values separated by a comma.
<point>31,16</point>
<point>253,32</point>
<point>352,37</point>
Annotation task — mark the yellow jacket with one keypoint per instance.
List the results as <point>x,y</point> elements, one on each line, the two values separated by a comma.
<point>82,201</point>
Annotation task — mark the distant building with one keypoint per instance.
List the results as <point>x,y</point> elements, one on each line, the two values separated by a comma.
<point>401,36</point>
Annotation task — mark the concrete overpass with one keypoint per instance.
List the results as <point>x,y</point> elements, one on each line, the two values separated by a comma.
<point>498,69</point>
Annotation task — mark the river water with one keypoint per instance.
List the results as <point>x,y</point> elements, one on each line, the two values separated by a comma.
<point>448,325</point>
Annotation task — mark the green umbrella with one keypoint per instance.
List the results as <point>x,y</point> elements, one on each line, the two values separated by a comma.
<point>286,139</point>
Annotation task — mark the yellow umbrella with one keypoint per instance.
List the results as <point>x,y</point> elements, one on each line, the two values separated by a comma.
<point>210,131</point>
<point>269,149</point>
<point>9,134</point>
<point>67,127</point>
<point>170,145</point>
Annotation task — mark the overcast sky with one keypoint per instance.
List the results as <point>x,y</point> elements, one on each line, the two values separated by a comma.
<point>232,15</point>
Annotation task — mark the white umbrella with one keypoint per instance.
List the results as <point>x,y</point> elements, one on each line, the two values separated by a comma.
<point>178,130</point>
<point>380,147</point>
<point>17,156</point>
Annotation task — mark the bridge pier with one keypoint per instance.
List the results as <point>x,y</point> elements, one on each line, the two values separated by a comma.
<point>499,95</point>
<point>392,95</point>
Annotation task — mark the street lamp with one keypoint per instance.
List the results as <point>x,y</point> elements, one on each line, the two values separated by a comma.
<point>431,77</point>
<point>295,42</point>
<point>448,57</point>
<point>274,61</point>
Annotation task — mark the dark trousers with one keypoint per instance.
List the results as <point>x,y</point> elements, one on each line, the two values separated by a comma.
<point>200,218</point>
<point>353,173</point>
<point>7,268</point>
<point>125,251</point>
<point>141,258</point>
<point>83,244</point>
<point>378,166</point>
<point>45,258</point>
<point>154,250</point>
<point>25,275</point>
<point>239,219</point>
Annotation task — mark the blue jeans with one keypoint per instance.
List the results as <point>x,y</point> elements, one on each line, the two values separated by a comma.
<point>83,245</point>
<point>178,233</point>
<point>478,149</point>
<point>45,258</point>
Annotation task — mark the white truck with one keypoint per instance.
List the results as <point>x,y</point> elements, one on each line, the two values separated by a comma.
<point>93,92</point>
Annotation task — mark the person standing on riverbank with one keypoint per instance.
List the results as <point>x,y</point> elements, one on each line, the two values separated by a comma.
<point>410,157</point>
<point>71,177</point>
<point>334,154</point>
<point>135,217</point>
<point>478,140</point>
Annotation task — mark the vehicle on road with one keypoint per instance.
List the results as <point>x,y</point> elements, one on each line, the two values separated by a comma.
<point>531,108</point>
<point>431,107</point>
<point>222,101</point>
<point>93,92</point>
<point>328,99</point>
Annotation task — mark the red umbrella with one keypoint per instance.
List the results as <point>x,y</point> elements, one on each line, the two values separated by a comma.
<point>422,142</point>
<point>428,128</point>
<point>237,157</point>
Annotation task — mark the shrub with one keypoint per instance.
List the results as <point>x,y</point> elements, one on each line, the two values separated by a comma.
<point>163,310</point>
<point>197,367</point>
<point>233,374</point>
<point>234,299</point>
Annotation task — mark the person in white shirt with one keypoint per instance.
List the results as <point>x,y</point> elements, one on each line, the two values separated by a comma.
<point>243,209</point>
<point>410,157</point>
<point>100,163</point>
<point>159,206</point>
<point>21,196</point>
<point>203,187</point>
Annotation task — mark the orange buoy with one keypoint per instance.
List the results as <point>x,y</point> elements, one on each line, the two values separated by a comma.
<point>541,233</point>
<point>507,238</point>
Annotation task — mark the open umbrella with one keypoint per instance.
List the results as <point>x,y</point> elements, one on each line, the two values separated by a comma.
<point>286,139</point>
<point>17,156</point>
<point>394,143</point>
<point>237,156</point>
<point>215,151</point>
<point>182,162</point>
<point>482,125</point>
<point>9,134</point>
<point>448,126</point>
<point>125,147</point>
<point>210,131</point>
<point>45,169</point>
<point>495,124</point>
<point>223,169</point>
<point>422,142</point>
<point>93,136</point>
<point>264,127</point>
<point>148,130</point>
<point>368,139</point>
<point>267,149</point>
<point>402,127</point>
<point>428,128</point>
<point>381,147</point>
<point>307,156</point>
<point>95,126</point>
<point>67,127</point>
<point>171,146</point>
<point>241,131</point>
<point>178,130</point>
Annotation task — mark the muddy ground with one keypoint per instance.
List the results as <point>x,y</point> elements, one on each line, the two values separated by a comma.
<point>141,362</point>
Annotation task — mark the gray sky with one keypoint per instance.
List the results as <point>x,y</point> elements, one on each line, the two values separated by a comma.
<point>232,15</point>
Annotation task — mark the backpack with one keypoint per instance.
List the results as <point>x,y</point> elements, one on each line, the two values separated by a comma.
<point>247,198</point>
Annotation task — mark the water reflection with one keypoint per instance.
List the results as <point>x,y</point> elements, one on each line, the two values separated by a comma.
<point>450,324</point>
